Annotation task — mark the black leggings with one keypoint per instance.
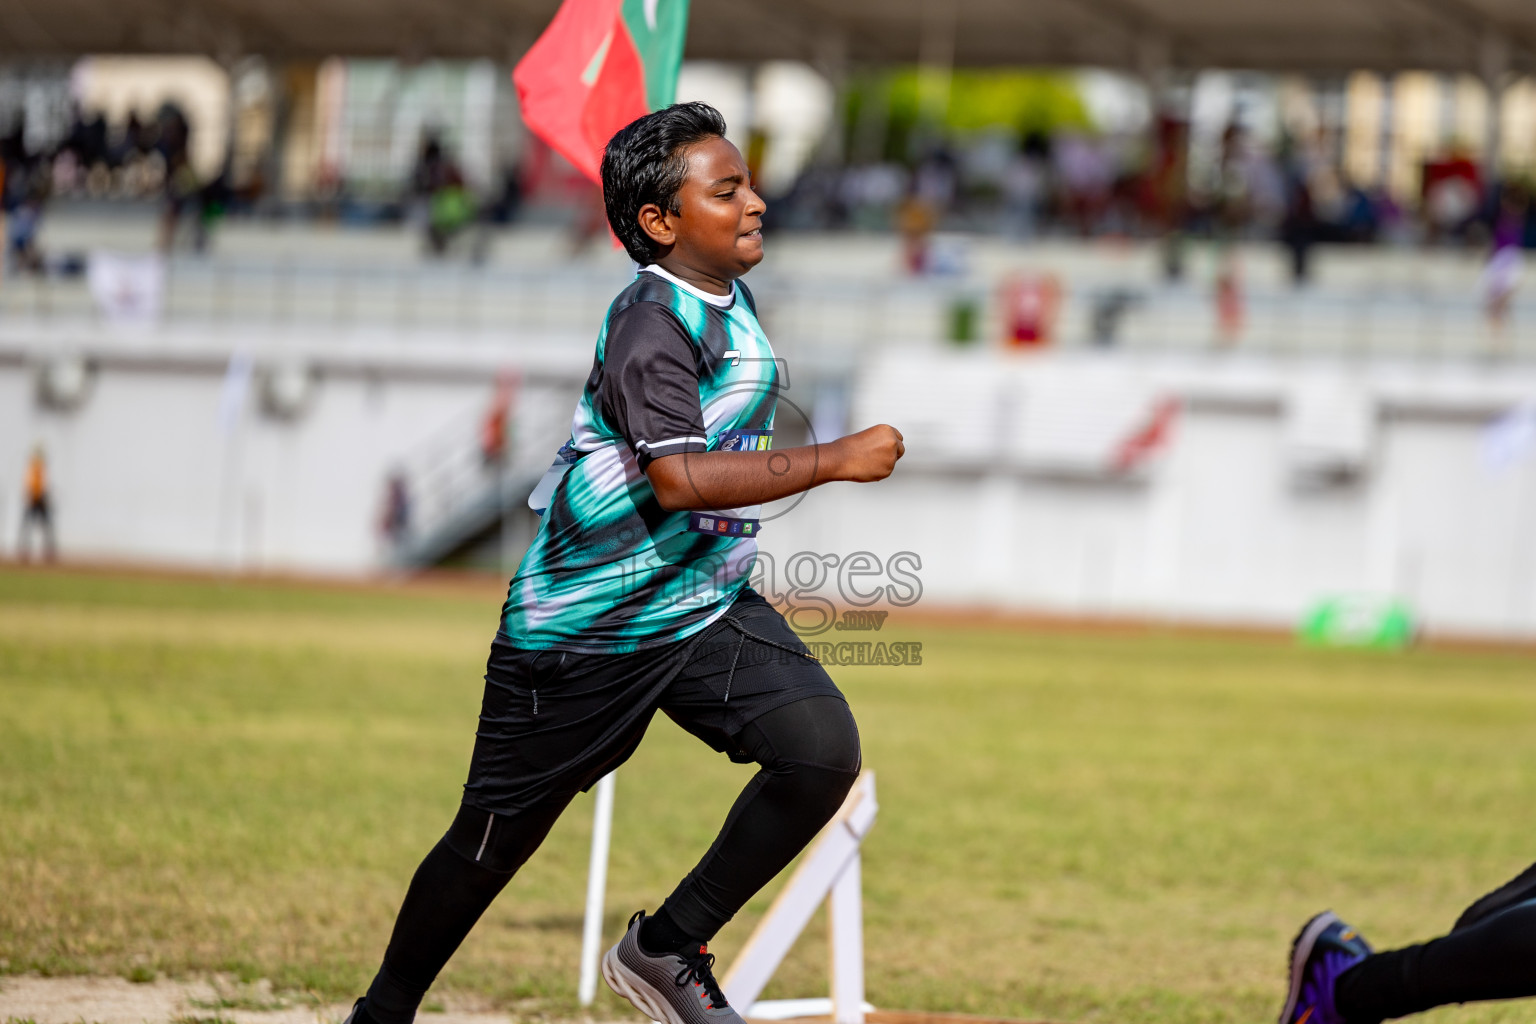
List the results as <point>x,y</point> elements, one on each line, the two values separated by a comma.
<point>1489,954</point>
<point>809,753</point>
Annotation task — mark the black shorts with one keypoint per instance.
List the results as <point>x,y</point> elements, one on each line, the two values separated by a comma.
<point>554,722</point>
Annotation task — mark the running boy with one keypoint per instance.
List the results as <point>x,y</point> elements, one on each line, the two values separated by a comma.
<point>633,596</point>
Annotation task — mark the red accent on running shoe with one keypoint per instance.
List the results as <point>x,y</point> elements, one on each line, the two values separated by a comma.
<point>1304,1016</point>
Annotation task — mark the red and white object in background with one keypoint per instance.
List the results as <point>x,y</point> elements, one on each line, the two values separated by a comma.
<point>1030,302</point>
<point>1150,439</point>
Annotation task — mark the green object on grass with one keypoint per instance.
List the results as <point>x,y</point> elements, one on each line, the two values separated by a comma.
<point>1380,622</point>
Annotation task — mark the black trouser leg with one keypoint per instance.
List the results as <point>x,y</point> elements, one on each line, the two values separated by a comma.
<point>809,752</point>
<point>454,885</point>
<point>1491,954</point>
<point>1517,890</point>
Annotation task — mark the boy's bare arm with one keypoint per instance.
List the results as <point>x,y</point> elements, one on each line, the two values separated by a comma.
<point>704,481</point>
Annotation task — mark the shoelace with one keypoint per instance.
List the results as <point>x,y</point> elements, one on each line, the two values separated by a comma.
<point>696,968</point>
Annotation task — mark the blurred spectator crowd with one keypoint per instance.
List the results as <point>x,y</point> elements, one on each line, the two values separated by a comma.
<point>137,160</point>
<point>1064,180</point>
<point>1076,184</point>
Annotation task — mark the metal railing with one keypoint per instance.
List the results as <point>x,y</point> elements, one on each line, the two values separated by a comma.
<point>807,314</point>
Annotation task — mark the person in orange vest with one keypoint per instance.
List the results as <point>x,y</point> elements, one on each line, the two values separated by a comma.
<point>494,439</point>
<point>38,512</point>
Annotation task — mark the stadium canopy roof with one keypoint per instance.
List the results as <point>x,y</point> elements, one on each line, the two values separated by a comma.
<point>1290,35</point>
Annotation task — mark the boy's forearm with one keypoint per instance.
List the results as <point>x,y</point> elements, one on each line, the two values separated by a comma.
<point>705,481</point>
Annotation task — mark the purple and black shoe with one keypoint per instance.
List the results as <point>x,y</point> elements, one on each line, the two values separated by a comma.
<point>1325,948</point>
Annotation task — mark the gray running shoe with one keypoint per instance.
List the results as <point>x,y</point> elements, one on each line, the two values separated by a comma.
<point>674,988</point>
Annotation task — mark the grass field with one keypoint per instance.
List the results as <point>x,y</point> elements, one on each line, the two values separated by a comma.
<point>199,776</point>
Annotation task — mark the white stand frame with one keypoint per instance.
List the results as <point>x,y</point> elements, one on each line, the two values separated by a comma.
<point>830,870</point>
<point>597,886</point>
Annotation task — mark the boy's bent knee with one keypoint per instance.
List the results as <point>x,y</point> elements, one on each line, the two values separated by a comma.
<point>816,731</point>
<point>819,790</point>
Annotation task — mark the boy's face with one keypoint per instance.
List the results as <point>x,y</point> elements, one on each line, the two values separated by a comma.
<point>718,229</point>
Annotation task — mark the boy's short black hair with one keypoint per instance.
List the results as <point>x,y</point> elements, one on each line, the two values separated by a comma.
<point>645,162</point>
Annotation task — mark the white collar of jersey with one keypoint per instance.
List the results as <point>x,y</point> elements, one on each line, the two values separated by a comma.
<point>721,301</point>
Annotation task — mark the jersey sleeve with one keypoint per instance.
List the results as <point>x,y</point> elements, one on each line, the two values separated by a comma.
<point>650,384</point>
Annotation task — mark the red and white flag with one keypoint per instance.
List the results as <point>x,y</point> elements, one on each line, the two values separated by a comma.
<point>599,65</point>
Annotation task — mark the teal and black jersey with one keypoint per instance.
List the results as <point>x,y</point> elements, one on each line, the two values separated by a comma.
<point>610,570</point>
